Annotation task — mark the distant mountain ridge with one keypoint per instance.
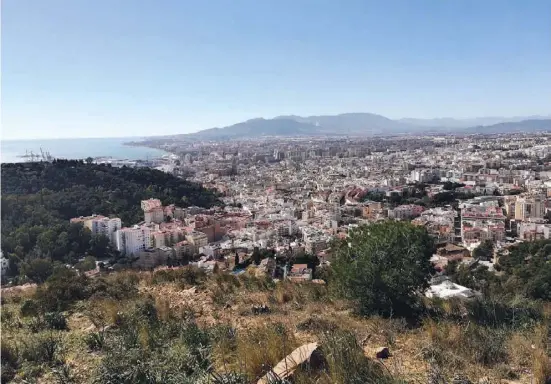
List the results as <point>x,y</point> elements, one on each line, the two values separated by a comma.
<point>532,125</point>
<point>367,124</point>
<point>448,122</point>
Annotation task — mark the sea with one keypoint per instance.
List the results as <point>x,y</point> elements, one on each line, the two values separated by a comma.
<point>11,150</point>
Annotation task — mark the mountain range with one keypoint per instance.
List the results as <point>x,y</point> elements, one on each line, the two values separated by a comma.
<point>368,124</point>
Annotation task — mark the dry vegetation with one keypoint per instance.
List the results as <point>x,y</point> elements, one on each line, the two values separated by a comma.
<point>181,326</point>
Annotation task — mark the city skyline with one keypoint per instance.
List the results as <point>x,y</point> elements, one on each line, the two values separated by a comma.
<point>107,70</point>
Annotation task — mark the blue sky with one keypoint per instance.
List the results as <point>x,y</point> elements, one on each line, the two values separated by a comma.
<point>135,67</point>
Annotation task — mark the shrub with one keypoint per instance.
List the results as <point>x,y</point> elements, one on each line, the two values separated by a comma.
<point>63,288</point>
<point>95,341</point>
<point>55,320</point>
<point>10,360</point>
<point>41,348</point>
<point>170,352</point>
<point>37,270</point>
<point>29,308</point>
<point>515,313</point>
<point>383,267</point>
<point>452,344</point>
<point>87,264</point>
<point>486,345</point>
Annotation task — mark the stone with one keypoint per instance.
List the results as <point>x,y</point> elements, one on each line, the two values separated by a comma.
<point>382,353</point>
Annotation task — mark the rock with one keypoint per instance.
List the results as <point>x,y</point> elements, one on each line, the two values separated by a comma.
<point>382,353</point>
<point>191,290</point>
<point>260,309</point>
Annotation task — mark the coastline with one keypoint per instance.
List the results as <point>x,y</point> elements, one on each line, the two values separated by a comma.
<point>13,151</point>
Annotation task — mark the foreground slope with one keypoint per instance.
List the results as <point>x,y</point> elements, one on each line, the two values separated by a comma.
<point>182,326</point>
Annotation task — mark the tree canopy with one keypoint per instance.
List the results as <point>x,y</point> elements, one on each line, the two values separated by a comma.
<point>383,267</point>
<point>485,251</point>
<point>528,269</point>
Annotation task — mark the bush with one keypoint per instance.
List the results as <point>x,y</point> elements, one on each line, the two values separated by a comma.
<point>497,313</point>
<point>118,286</point>
<point>29,308</point>
<point>41,348</point>
<point>452,344</point>
<point>95,341</point>
<point>486,345</point>
<point>38,270</point>
<point>55,320</point>
<point>10,361</point>
<point>63,288</point>
<point>89,263</point>
<point>383,267</point>
<point>171,352</point>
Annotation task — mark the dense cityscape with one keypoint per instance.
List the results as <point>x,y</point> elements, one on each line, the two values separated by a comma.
<point>294,196</point>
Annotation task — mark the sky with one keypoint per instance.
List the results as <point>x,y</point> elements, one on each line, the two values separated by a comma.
<point>114,68</point>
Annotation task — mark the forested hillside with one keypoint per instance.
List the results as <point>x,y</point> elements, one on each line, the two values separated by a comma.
<point>38,199</point>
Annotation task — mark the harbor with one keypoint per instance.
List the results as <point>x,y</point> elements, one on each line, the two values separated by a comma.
<point>30,156</point>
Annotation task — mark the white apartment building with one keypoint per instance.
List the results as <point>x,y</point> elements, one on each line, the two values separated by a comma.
<point>100,225</point>
<point>133,240</point>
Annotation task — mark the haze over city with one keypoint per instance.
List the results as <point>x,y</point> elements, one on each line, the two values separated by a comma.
<point>127,68</point>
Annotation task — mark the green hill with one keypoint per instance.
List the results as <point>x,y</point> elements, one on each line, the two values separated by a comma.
<point>38,199</point>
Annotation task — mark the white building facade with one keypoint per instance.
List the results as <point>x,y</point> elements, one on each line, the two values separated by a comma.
<point>133,240</point>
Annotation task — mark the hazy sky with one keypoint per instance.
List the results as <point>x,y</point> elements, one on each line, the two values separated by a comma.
<point>78,68</point>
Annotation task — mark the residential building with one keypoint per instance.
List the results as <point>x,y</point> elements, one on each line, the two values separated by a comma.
<point>100,225</point>
<point>300,272</point>
<point>405,212</point>
<point>153,211</point>
<point>482,222</point>
<point>529,207</point>
<point>130,241</point>
<point>197,239</point>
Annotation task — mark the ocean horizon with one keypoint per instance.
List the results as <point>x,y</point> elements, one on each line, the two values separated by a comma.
<point>80,148</point>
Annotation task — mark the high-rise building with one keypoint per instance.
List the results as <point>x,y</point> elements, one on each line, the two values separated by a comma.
<point>529,207</point>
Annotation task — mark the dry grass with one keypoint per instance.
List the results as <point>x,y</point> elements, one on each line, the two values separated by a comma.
<point>252,344</point>
<point>253,352</point>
